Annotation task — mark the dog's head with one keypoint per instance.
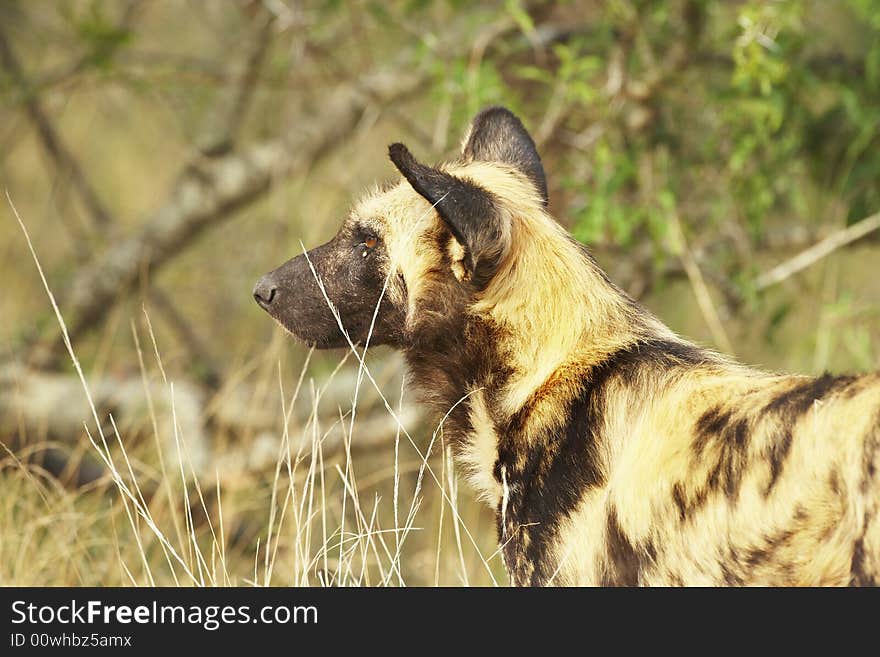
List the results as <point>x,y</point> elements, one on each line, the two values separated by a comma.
<point>426,246</point>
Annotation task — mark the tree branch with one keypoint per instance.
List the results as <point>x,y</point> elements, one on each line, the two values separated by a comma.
<point>219,138</point>
<point>49,137</point>
<point>211,190</point>
<point>818,251</point>
<point>199,355</point>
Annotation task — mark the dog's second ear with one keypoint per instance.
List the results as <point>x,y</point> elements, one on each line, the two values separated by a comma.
<point>468,210</point>
<point>497,135</point>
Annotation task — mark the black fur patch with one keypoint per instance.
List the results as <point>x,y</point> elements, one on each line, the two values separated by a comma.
<point>554,478</point>
<point>729,433</point>
<point>730,436</point>
<point>624,561</point>
<point>711,424</point>
<point>560,468</point>
<point>680,501</point>
<point>834,482</point>
<point>468,210</point>
<point>729,576</point>
<point>777,454</point>
<point>793,403</point>
<point>766,551</point>
<point>786,408</point>
<point>452,353</point>
<point>859,575</point>
<point>498,136</point>
<point>689,505</point>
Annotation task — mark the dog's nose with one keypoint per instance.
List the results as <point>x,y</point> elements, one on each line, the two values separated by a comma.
<point>265,291</point>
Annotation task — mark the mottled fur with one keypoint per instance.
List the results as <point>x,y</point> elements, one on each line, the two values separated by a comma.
<point>614,452</point>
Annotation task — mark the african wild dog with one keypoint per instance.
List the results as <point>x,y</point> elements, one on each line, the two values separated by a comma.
<point>613,451</point>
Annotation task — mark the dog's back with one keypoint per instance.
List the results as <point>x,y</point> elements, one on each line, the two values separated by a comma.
<point>724,475</point>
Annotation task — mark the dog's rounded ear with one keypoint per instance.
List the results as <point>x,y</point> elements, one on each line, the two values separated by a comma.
<point>497,135</point>
<point>468,210</point>
<point>458,202</point>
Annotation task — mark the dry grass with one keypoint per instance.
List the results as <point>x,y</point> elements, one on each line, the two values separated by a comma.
<point>310,520</point>
<point>391,518</point>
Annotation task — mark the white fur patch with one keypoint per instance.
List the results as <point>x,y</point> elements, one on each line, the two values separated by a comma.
<point>480,451</point>
<point>505,499</point>
<point>456,255</point>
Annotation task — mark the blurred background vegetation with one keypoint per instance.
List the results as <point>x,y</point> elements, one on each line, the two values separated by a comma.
<point>721,159</point>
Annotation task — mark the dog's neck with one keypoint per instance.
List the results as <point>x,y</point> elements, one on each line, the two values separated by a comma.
<point>515,354</point>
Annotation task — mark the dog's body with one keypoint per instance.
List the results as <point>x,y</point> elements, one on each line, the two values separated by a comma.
<point>613,451</point>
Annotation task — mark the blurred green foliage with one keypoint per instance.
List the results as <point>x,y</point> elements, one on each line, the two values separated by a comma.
<point>745,115</point>
<point>740,119</point>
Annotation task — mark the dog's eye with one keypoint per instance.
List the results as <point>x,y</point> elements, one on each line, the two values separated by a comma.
<point>367,246</point>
